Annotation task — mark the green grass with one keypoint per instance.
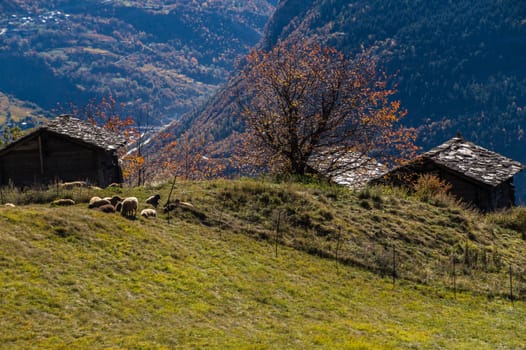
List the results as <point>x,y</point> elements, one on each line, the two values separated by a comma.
<point>77,278</point>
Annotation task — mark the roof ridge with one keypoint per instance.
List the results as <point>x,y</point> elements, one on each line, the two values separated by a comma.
<point>68,125</point>
<point>474,161</point>
<point>444,146</point>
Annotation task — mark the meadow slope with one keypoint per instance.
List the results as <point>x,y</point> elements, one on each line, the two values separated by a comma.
<point>210,278</point>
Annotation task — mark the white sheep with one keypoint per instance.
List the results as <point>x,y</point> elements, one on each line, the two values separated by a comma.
<point>99,203</point>
<point>73,184</point>
<point>9,205</point>
<point>129,207</point>
<point>115,199</point>
<point>149,213</point>
<point>94,199</point>
<point>63,202</point>
<point>177,203</point>
<point>107,208</point>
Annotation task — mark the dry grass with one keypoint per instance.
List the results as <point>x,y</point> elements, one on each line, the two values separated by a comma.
<point>77,278</point>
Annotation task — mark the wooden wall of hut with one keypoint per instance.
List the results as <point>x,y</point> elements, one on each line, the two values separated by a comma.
<point>47,158</point>
<point>480,195</point>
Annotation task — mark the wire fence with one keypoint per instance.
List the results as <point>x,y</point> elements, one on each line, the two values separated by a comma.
<point>471,269</point>
<point>468,271</point>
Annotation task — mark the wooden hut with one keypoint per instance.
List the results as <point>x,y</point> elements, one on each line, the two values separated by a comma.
<point>477,176</point>
<point>64,149</point>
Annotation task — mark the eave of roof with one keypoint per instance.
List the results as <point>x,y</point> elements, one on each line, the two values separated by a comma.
<point>87,132</point>
<point>76,130</point>
<point>467,160</point>
<point>350,169</point>
<point>473,161</point>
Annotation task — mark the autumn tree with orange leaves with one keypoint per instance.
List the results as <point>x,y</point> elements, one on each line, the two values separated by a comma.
<point>303,104</point>
<point>115,117</point>
<point>191,157</point>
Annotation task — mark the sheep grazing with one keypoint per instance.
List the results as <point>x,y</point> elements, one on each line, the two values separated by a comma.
<point>114,200</point>
<point>94,199</point>
<point>115,185</point>
<point>129,207</point>
<point>186,205</point>
<point>73,184</point>
<point>154,200</point>
<point>169,207</point>
<point>99,203</point>
<point>177,203</point>
<point>149,213</point>
<point>9,205</point>
<point>63,202</point>
<point>107,208</point>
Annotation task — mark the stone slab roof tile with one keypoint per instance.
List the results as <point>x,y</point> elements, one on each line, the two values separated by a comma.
<point>87,132</point>
<point>474,161</point>
<point>351,169</point>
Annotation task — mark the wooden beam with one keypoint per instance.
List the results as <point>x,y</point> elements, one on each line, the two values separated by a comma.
<point>41,155</point>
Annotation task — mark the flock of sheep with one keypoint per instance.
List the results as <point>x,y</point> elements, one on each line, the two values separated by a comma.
<point>126,206</point>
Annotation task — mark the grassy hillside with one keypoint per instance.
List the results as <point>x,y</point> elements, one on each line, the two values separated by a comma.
<point>15,112</point>
<point>209,278</point>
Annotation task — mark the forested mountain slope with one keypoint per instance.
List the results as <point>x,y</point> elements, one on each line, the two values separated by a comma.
<point>459,65</point>
<point>163,55</point>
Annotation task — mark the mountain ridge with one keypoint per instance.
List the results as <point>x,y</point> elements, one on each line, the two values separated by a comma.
<point>161,55</point>
<point>457,65</point>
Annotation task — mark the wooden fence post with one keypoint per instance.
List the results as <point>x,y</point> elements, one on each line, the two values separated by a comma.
<point>454,277</point>
<point>394,265</point>
<point>511,284</point>
<point>277,232</point>
<point>169,198</point>
<point>171,190</point>
<point>221,219</point>
<point>338,243</point>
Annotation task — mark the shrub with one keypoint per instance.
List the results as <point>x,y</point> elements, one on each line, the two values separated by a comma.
<point>374,193</point>
<point>365,204</point>
<point>518,221</point>
<point>429,186</point>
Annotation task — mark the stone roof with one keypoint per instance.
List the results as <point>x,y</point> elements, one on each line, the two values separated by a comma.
<point>84,131</point>
<point>474,161</point>
<point>352,169</point>
<point>361,175</point>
